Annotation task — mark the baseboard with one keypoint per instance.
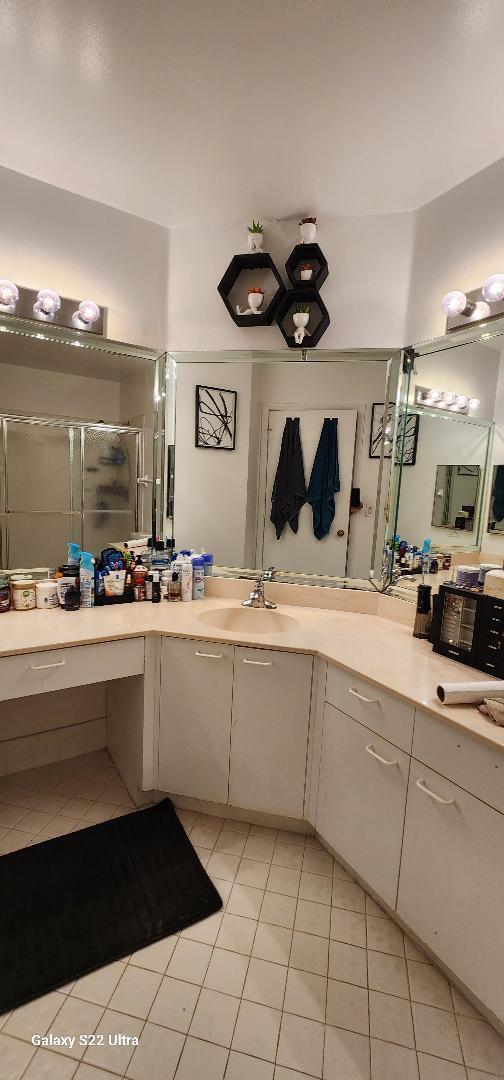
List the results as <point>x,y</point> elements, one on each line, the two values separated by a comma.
<point>43,748</point>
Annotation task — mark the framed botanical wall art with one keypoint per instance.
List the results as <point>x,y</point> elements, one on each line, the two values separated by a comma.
<point>383,422</point>
<point>215,418</point>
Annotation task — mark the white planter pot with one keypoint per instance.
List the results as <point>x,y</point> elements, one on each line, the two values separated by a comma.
<point>306,275</point>
<point>307,232</point>
<point>300,320</point>
<point>255,301</point>
<point>255,241</point>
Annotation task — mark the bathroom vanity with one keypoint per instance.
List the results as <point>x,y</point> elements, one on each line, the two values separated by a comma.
<point>327,722</point>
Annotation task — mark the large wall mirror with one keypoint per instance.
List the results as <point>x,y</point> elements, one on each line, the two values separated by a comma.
<point>245,426</point>
<point>451,491</point>
<point>80,449</point>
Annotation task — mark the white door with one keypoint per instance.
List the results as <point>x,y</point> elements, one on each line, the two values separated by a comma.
<point>452,881</point>
<point>195,718</point>
<point>362,798</point>
<point>269,735</point>
<point>302,551</point>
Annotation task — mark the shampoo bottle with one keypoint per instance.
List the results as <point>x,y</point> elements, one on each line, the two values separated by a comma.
<point>87,579</point>
<point>186,579</point>
<point>198,587</point>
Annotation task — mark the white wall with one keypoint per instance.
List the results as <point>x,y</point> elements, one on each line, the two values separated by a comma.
<point>366,291</point>
<point>471,369</point>
<point>459,241</point>
<point>81,248</point>
<point>32,392</point>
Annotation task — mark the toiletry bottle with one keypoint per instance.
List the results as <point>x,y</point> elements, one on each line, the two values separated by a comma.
<point>426,548</point>
<point>173,593</point>
<point>87,579</point>
<point>198,587</point>
<point>423,612</point>
<point>156,587</point>
<point>148,585</point>
<point>74,552</point>
<point>186,578</point>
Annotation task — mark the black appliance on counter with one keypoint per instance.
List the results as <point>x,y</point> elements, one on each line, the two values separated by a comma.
<point>469,627</point>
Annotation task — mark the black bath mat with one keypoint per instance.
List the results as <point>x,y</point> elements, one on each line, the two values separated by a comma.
<point>72,904</point>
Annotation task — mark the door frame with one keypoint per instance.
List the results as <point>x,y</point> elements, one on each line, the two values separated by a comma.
<point>268,407</point>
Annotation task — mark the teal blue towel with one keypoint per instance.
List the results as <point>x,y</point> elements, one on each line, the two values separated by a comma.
<point>325,479</point>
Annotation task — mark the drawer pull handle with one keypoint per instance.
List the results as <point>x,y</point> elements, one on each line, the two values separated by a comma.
<point>209,655</point>
<point>46,667</point>
<point>371,750</point>
<point>259,663</point>
<point>368,700</point>
<point>421,785</point>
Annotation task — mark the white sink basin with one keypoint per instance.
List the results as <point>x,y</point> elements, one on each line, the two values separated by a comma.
<point>256,620</point>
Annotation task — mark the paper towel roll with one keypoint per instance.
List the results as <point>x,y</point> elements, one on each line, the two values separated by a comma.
<point>469,693</point>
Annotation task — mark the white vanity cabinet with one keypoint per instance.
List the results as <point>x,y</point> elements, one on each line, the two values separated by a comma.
<point>269,733</point>
<point>361,802</point>
<point>451,887</point>
<point>195,718</point>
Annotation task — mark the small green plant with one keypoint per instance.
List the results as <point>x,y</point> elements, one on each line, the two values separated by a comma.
<point>303,309</point>
<point>256,227</point>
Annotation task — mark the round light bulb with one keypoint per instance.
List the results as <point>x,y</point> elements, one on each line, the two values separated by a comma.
<point>9,295</point>
<point>434,395</point>
<point>481,311</point>
<point>474,403</point>
<point>449,398</point>
<point>462,401</point>
<point>493,288</point>
<point>47,304</point>
<point>89,312</point>
<point>454,303</point>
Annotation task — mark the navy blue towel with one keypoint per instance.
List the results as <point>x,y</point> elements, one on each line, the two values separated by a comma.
<point>325,479</point>
<point>289,488</point>
<point>498,494</point>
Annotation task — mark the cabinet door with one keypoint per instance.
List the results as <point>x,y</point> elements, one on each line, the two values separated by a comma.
<point>452,881</point>
<point>195,718</point>
<point>362,798</point>
<point>269,737</point>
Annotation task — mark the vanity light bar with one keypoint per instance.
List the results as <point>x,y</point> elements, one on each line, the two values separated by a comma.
<point>447,400</point>
<point>47,306</point>
<point>462,308</point>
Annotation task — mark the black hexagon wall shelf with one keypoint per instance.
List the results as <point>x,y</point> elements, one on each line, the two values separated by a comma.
<point>243,272</point>
<point>307,253</point>
<point>319,316</point>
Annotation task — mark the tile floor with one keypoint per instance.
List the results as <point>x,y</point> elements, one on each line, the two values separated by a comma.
<point>300,976</point>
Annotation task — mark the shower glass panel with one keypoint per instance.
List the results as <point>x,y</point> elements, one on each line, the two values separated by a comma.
<point>39,465</point>
<point>110,469</point>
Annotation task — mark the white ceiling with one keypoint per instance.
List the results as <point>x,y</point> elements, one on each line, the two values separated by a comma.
<point>204,111</point>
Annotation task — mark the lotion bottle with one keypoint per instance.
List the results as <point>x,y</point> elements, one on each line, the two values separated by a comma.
<point>186,578</point>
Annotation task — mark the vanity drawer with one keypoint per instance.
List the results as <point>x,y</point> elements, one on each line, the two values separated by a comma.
<point>381,712</point>
<point>58,669</point>
<point>469,762</point>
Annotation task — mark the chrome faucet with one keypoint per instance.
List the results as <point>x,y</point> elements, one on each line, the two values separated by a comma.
<point>257,598</point>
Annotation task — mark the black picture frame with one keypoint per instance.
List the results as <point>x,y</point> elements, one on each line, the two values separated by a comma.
<point>378,423</point>
<point>215,418</point>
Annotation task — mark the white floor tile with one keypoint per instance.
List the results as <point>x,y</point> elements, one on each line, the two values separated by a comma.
<point>204,835</point>
<point>174,1004</point>
<point>201,1059</point>
<point>281,1073</point>
<point>226,972</point>
<point>436,1032</point>
<point>390,1062</point>
<point>434,1068</point>
<point>301,1045</point>
<point>387,974</point>
<point>483,1048</point>
<point>315,887</point>
<point>75,1018</point>
<point>223,866</point>
<point>99,985</point>
<point>305,994</point>
<point>245,901</point>
<point>256,1031</point>
<point>235,825</point>
<point>265,983</point>
<point>347,963</point>
<point>91,1072</point>
<point>34,1018</point>
<point>390,1019</point>
<point>190,961</point>
<point>231,843</point>
<point>205,931</point>
<point>428,986</point>
<point>347,1007</point>
<point>309,953</point>
<point>462,1005</point>
<point>48,1066</point>
<point>157,956</point>
<point>135,992</point>
<point>349,927</point>
<point>244,1067</point>
<point>278,910</point>
<point>214,1018</point>
<point>348,895</point>
<point>259,848</point>
<point>115,1058</point>
<point>223,888</point>
<point>346,1055</point>
<point>236,934</point>
<point>157,1055</point>
<point>283,880</point>
<point>384,936</point>
<point>413,952</point>
<point>252,873</point>
<point>317,862</point>
<point>312,918</point>
<point>14,1056</point>
<point>272,943</point>
<point>288,855</point>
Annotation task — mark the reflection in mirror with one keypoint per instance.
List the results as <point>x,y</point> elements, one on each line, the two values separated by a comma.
<point>259,498</point>
<point>76,446</point>
<point>455,496</point>
<point>496,507</point>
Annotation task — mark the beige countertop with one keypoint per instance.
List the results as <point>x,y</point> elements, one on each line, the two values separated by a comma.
<point>377,648</point>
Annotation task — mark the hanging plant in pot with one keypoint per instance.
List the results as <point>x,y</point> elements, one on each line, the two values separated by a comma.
<point>306,271</point>
<point>255,301</point>
<point>301,319</point>
<point>255,236</point>
<point>308,229</point>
